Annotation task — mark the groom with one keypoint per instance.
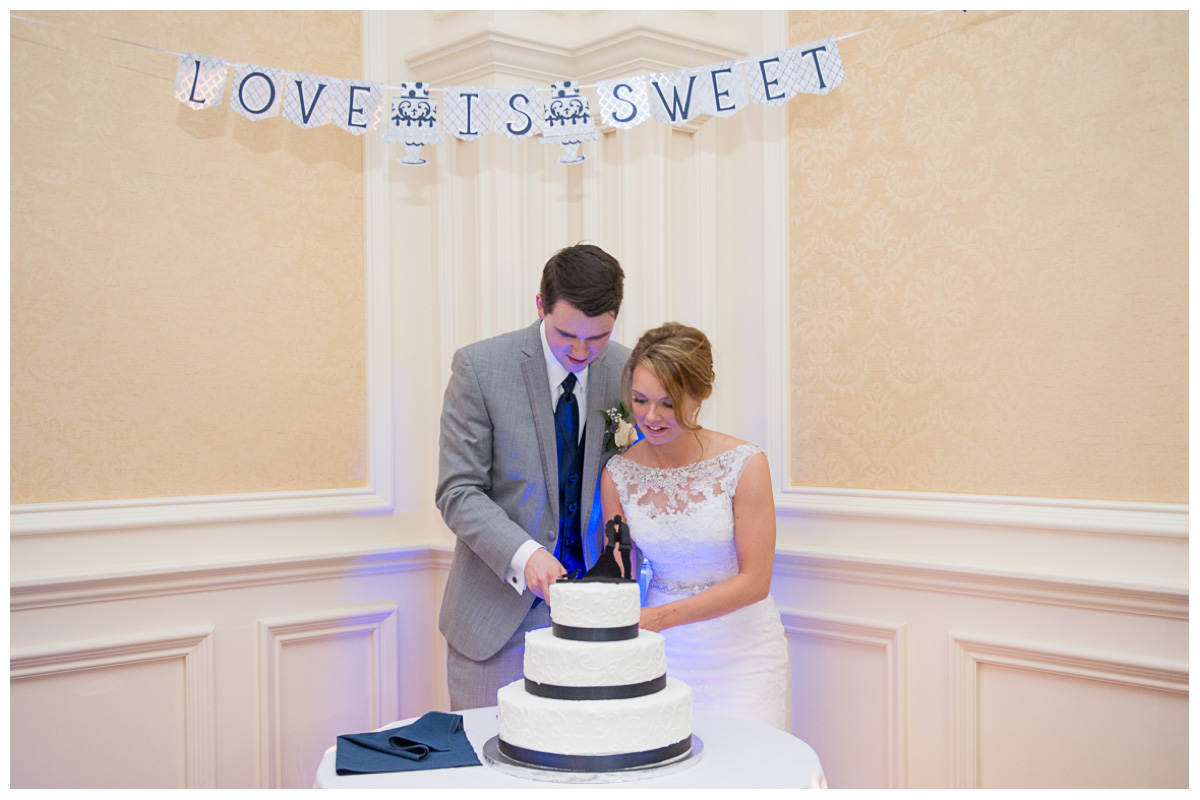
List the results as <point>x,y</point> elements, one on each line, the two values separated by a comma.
<point>521,454</point>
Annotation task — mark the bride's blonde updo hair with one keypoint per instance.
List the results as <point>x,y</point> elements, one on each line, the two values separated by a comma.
<point>680,358</point>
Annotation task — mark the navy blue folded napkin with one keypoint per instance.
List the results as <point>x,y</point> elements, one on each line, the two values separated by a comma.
<point>435,741</point>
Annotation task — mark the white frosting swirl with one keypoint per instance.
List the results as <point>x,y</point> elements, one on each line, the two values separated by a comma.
<point>566,662</point>
<point>595,605</point>
<point>595,727</point>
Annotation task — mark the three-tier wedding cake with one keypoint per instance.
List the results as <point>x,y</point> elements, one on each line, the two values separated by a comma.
<point>595,696</point>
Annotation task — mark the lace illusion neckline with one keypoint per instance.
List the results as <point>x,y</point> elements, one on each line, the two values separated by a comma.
<point>695,465</point>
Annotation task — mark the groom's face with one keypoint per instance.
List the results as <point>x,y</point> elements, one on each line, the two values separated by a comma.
<point>575,339</point>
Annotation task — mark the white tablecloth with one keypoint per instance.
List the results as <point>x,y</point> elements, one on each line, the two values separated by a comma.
<point>737,754</point>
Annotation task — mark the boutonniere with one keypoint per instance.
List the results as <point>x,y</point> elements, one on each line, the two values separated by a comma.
<point>619,432</point>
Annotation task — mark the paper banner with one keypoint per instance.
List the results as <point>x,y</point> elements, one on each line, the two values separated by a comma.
<point>257,92</point>
<point>624,102</point>
<point>309,100</point>
<point>467,111</point>
<point>517,111</point>
<point>357,106</point>
<point>722,89</point>
<point>674,96</point>
<point>200,80</point>
<point>820,66</point>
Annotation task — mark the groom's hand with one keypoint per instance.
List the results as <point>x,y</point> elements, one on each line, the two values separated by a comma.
<point>541,570</point>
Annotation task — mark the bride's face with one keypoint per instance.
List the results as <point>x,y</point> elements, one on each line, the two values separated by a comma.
<point>653,410</point>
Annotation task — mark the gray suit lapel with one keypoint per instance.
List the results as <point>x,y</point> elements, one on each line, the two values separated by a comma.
<point>537,384</point>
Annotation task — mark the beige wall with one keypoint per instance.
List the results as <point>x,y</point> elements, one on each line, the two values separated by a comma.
<point>187,286</point>
<point>989,256</point>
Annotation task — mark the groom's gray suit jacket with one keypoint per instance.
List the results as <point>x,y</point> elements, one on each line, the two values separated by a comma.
<point>498,478</point>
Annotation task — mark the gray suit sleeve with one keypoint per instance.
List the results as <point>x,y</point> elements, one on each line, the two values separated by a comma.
<point>465,472</point>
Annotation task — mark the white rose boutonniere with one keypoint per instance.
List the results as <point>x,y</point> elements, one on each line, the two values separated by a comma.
<point>619,432</point>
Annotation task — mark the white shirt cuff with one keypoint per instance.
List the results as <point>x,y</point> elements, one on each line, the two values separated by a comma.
<point>515,577</point>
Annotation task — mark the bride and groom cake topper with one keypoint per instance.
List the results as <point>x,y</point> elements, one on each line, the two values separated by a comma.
<point>615,563</point>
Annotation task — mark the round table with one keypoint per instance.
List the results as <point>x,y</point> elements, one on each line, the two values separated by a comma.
<point>737,754</point>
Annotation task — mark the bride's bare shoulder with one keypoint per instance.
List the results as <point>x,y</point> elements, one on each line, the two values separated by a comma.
<point>719,443</point>
<point>636,452</point>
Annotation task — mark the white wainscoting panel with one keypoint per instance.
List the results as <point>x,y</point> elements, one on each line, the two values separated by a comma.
<point>77,709</point>
<point>862,667</point>
<point>323,675</point>
<point>249,672</point>
<point>1027,715</point>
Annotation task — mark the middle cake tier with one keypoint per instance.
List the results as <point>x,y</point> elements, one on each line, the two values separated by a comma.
<point>553,661</point>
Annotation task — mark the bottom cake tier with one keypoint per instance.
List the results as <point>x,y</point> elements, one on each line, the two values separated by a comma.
<point>595,734</point>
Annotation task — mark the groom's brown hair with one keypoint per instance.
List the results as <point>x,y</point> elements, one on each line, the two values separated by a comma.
<point>586,277</point>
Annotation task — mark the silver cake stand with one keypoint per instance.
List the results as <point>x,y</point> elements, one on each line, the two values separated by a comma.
<point>518,769</point>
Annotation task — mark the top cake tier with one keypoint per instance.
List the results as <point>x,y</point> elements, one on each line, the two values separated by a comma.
<point>595,605</point>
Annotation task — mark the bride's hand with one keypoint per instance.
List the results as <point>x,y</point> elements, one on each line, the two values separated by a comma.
<point>652,619</point>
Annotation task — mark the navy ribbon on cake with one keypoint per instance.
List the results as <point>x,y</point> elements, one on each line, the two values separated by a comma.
<point>622,692</point>
<point>540,758</point>
<point>595,634</point>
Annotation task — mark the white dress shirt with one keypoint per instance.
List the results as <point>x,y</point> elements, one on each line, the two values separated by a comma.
<point>557,373</point>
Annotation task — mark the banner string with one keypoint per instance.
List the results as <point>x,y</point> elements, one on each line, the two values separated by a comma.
<point>889,24</point>
<point>98,35</point>
<point>434,89</point>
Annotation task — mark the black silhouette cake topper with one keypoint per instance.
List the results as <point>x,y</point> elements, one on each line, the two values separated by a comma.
<point>616,554</point>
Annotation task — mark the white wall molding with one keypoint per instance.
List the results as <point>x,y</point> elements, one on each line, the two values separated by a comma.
<point>377,621</point>
<point>194,646</point>
<point>969,651</point>
<point>98,515</point>
<point>1168,520</point>
<point>776,301</point>
<point>377,258</point>
<point>891,639</point>
<point>1153,599</point>
<point>227,574</point>
<point>378,495</point>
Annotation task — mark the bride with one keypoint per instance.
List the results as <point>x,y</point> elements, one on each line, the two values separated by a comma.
<point>701,514</point>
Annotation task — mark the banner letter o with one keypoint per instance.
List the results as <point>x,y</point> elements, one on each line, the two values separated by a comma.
<point>242,96</point>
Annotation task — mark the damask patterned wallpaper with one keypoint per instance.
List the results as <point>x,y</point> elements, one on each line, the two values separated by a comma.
<point>989,261</point>
<point>187,309</point>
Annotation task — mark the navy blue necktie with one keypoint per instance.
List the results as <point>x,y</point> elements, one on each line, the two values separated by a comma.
<point>570,467</point>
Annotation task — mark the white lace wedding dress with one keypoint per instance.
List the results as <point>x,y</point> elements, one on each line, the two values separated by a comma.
<point>681,520</point>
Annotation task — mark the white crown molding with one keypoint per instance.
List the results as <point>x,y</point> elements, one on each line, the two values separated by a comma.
<point>378,495</point>
<point>478,55</point>
<point>969,651</point>
<point>890,637</point>
<point>195,646</point>
<point>1153,599</point>
<point>80,588</point>
<point>377,621</point>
